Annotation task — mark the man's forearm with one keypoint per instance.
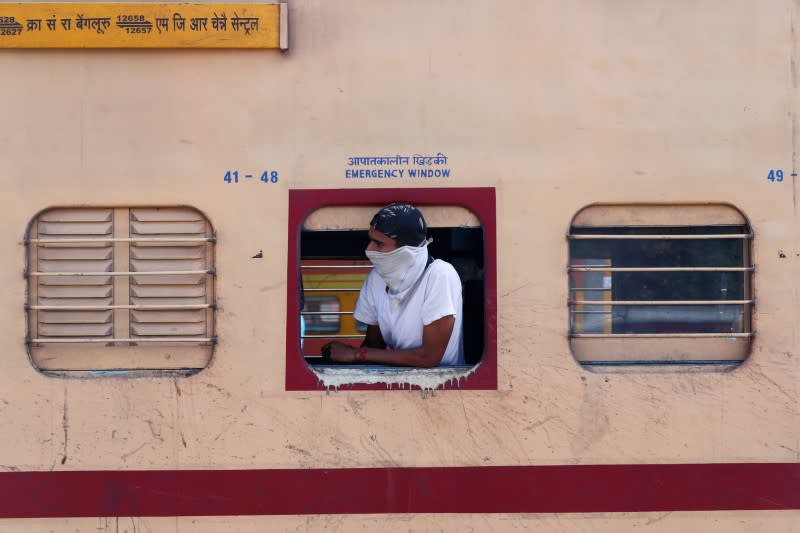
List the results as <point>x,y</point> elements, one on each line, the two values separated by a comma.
<point>412,357</point>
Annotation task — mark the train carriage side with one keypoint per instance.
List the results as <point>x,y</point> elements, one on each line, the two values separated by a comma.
<point>616,184</point>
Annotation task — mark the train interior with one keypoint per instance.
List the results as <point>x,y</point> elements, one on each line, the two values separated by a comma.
<point>335,293</point>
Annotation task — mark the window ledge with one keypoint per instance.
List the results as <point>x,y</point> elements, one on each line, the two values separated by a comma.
<point>337,376</point>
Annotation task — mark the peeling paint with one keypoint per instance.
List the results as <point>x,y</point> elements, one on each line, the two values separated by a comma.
<point>424,378</point>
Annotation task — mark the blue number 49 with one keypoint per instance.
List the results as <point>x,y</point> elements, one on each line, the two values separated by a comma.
<point>775,175</point>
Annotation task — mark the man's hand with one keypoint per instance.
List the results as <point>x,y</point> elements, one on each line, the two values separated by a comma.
<point>339,352</point>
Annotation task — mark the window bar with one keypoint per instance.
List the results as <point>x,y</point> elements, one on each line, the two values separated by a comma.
<point>665,362</point>
<point>578,268</point>
<point>33,288</point>
<point>747,285</point>
<point>327,312</point>
<point>334,267</point>
<point>120,239</point>
<point>332,290</point>
<point>586,236</point>
<point>105,307</point>
<point>45,340</point>
<point>657,335</point>
<point>662,302</point>
<point>147,273</point>
<point>334,336</point>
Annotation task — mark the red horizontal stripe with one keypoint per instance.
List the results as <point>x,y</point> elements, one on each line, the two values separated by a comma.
<point>502,489</point>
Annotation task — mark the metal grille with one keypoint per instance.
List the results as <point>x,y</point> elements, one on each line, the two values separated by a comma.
<point>120,277</point>
<point>659,283</point>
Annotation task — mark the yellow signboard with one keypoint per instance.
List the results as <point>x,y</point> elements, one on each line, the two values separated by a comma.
<point>143,25</point>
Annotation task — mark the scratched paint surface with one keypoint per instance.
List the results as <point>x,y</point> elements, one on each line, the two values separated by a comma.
<point>556,104</point>
<point>740,522</point>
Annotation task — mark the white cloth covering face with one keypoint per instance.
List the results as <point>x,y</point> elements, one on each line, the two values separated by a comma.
<point>402,317</point>
<point>401,267</point>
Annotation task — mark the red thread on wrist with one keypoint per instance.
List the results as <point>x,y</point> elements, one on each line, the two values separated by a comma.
<point>362,354</point>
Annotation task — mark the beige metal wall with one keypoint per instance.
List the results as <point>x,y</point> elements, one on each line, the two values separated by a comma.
<point>556,104</point>
<point>730,522</point>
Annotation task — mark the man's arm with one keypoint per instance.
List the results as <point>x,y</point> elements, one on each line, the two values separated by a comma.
<point>435,337</point>
<point>374,338</point>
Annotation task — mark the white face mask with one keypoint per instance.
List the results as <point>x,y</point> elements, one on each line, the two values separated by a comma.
<point>401,267</point>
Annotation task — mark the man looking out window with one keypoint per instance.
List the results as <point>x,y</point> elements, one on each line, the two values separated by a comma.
<point>410,302</point>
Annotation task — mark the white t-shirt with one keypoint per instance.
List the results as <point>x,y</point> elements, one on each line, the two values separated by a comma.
<point>401,321</point>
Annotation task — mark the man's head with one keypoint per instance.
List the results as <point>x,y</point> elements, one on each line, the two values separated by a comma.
<point>396,225</point>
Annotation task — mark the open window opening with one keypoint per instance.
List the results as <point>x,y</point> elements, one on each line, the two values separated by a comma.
<point>660,285</point>
<point>329,240</point>
<point>120,290</point>
<point>333,268</point>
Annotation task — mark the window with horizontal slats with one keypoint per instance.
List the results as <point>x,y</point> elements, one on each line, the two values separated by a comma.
<point>186,292</point>
<point>660,285</point>
<point>120,289</point>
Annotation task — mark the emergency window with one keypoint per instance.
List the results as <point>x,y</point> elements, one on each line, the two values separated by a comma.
<point>654,285</point>
<point>120,289</point>
<point>327,267</point>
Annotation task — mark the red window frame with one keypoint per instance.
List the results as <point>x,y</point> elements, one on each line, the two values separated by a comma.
<point>479,200</point>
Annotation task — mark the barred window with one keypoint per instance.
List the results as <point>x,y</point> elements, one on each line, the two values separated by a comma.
<point>120,289</point>
<point>660,284</point>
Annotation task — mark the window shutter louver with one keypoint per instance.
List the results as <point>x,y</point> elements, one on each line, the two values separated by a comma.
<point>65,257</point>
<point>171,289</point>
<point>153,310</point>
